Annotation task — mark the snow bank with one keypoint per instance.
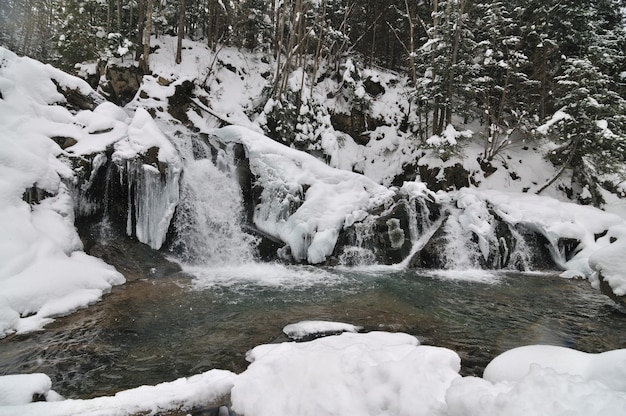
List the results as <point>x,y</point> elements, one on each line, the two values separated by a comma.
<point>209,389</point>
<point>555,220</point>
<point>610,262</point>
<point>544,380</point>
<point>43,272</point>
<point>542,391</point>
<point>19,388</point>
<point>349,374</point>
<point>304,202</point>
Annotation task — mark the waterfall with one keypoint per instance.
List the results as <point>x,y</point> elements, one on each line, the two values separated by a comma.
<point>360,252</point>
<point>460,253</point>
<point>208,221</point>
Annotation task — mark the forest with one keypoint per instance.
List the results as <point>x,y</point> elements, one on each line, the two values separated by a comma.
<point>512,65</point>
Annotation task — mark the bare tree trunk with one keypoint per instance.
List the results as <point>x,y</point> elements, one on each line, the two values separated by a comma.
<point>455,56</point>
<point>141,9</point>
<point>119,16</point>
<point>436,109</point>
<point>146,37</point>
<point>411,48</point>
<point>181,32</point>
<point>130,17</point>
<point>318,47</point>
<point>109,16</point>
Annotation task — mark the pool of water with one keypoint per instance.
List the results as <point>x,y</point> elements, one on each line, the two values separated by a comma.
<point>154,330</point>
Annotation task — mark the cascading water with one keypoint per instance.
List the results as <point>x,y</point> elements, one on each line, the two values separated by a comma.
<point>207,224</point>
<point>460,253</point>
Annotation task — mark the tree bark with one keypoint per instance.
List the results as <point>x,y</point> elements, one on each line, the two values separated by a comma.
<point>141,10</point>
<point>181,32</point>
<point>146,37</point>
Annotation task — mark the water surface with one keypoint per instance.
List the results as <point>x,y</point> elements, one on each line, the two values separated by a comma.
<point>154,330</point>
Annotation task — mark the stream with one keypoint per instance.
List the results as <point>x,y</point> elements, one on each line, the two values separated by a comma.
<point>158,329</point>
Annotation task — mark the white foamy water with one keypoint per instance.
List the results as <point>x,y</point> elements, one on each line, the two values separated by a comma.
<point>467,275</point>
<point>262,274</point>
<point>209,216</point>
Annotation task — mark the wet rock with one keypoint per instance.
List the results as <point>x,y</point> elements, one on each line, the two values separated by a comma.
<point>133,259</point>
<point>384,237</point>
<point>607,290</point>
<point>433,255</point>
<point>178,103</point>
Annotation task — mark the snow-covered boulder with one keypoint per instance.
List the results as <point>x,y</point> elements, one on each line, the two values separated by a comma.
<point>351,374</point>
<point>300,200</point>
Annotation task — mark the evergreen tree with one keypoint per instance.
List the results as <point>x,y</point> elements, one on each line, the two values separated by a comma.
<point>593,132</point>
<point>500,83</point>
<point>82,35</point>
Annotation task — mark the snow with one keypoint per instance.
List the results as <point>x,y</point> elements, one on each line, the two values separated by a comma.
<point>555,220</point>
<point>610,262</point>
<point>352,374</point>
<point>19,388</point>
<point>304,329</point>
<point>43,272</point>
<point>545,380</point>
<point>322,198</point>
<point>205,389</point>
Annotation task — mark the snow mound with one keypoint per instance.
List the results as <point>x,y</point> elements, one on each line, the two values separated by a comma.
<point>19,388</point>
<point>351,374</point>
<point>608,368</point>
<point>208,389</point>
<point>544,380</point>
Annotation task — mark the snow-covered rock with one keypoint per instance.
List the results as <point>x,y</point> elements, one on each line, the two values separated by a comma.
<point>307,329</point>
<point>351,374</point>
<point>206,390</point>
<point>43,271</point>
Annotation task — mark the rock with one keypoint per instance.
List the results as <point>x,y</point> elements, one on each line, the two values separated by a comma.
<point>122,83</point>
<point>356,124</point>
<point>432,255</point>
<point>383,237</point>
<point>35,195</point>
<point>453,177</point>
<point>133,259</point>
<point>64,142</point>
<point>607,290</point>
<point>76,100</point>
<point>178,103</point>
<point>373,88</point>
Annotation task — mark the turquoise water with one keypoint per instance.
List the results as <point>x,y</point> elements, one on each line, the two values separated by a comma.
<point>150,331</point>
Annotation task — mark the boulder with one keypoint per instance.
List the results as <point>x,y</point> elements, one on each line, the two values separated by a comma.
<point>453,177</point>
<point>122,83</point>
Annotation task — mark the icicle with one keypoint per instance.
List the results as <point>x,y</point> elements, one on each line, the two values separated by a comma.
<point>152,199</point>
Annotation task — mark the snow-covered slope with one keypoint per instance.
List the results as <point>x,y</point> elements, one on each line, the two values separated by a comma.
<point>43,271</point>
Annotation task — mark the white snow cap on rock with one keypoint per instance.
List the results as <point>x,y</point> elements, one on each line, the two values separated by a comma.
<point>303,329</point>
<point>325,197</point>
